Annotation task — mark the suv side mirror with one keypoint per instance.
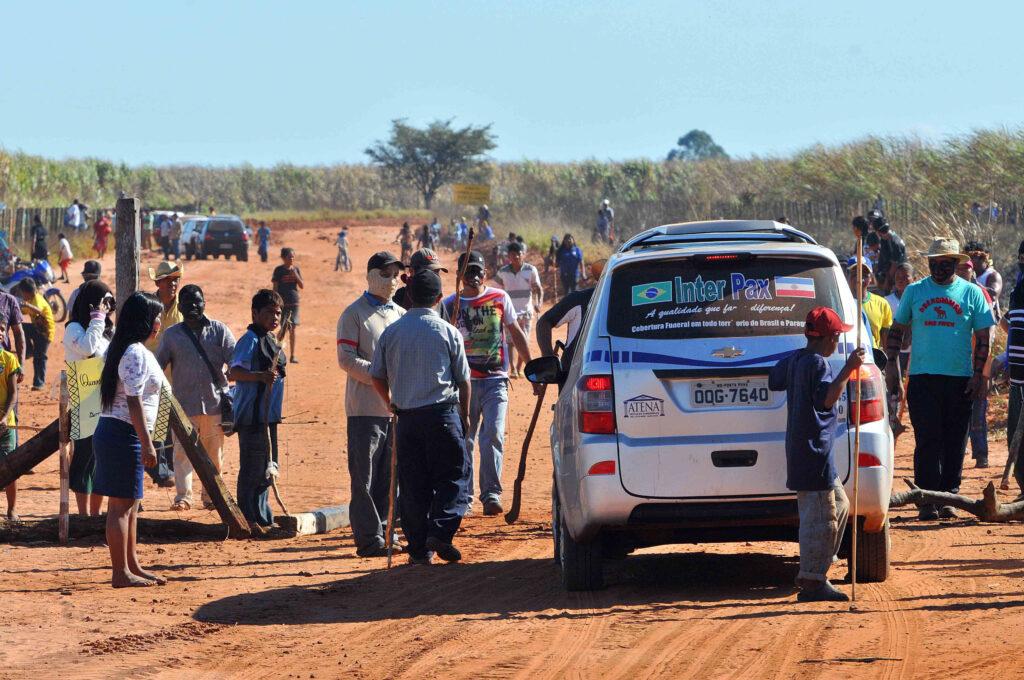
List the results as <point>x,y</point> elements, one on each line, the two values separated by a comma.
<point>544,370</point>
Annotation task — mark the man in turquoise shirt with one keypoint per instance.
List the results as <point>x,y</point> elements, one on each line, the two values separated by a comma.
<point>944,313</point>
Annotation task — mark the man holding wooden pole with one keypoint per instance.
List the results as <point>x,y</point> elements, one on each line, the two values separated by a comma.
<point>419,367</point>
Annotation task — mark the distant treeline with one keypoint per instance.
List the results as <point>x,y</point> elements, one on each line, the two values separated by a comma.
<point>932,184</point>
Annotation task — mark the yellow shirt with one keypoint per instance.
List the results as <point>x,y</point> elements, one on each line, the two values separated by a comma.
<point>8,365</point>
<point>171,315</point>
<point>46,314</point>
<point>879,314</point>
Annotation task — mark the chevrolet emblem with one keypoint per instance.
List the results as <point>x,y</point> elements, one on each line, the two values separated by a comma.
<point>729,352</point>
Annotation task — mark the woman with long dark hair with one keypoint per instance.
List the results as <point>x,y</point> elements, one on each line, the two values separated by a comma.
<point>130,394</point>
<point>570,264</point>
<point>87,334</point>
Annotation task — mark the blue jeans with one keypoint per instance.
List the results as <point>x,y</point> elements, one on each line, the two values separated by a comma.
<point>433,473</point>
<point>369,471</point>
<point>488,403</point>
<point>979,429</point>
<point>253,484</point>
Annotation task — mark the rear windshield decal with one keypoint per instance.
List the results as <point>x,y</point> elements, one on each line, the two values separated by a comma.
<point>794,286</point>
<point>650,293</point>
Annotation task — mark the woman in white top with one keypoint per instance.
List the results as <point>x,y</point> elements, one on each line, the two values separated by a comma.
<point>87,334</point>
<point>130,393</point>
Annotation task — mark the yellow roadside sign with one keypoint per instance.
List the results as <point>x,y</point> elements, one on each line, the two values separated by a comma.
<point>471,194</point>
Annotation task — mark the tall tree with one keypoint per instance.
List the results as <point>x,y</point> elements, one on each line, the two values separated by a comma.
<point>696,145</point>
<point>431,157</point>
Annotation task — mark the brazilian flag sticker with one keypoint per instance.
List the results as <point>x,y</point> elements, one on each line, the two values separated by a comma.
<point>650,293</point>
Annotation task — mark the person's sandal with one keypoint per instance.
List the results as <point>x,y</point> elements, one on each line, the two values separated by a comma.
<point>181,506</point>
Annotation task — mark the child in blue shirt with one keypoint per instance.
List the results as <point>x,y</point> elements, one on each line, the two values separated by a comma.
<point>258,369</point>
<point>811,397</point>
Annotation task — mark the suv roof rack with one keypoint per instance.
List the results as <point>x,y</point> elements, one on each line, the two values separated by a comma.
<point>716,230</point>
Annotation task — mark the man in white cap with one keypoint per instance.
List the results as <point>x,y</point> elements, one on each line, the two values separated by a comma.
<point>943,312</point>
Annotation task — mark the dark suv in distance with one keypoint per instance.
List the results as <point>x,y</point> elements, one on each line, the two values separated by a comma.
<point>222,235</point>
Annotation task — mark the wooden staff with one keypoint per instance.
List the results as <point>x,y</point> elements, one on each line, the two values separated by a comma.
<point>270,445</point>
<point>1011,458</point>
<point>392,486</point>
<point>517,492</point>
<point>856,422</point>
<point>458,277</point>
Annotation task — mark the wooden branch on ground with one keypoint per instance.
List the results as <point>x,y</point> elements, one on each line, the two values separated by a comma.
<point>987,508</point>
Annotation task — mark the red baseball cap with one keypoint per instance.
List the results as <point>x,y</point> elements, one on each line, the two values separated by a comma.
<point>822,322</point>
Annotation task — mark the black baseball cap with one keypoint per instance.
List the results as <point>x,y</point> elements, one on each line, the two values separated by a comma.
<point>381,259</point>
<point>475,260</point>
<point>91,268</point>
<point>425,258</point>
<point>424,286</point>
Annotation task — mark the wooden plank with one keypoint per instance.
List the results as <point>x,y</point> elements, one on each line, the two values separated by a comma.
<point>186,435</point>
<point>83,527</point>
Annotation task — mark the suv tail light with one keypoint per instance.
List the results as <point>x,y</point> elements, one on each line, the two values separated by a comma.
<point>245,236</point>
<point>868,460</point>
<point>596,404</point>
<point>872,394</point>
<point>209,237</point>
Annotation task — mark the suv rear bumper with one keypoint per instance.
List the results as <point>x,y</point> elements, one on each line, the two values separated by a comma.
<point>605,506</point>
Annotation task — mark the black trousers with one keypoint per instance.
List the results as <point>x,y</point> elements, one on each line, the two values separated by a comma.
<point>941,415</point>
<point>433,473</point>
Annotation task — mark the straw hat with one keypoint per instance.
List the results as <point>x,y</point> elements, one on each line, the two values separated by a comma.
<point>947,247</point>
<point>166,269</point>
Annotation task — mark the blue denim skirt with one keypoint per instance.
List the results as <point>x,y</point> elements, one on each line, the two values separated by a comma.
<point>118,454</point>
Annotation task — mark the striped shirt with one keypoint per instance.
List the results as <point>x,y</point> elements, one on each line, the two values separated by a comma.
<point>519,286</point>
<point>1015,339</point>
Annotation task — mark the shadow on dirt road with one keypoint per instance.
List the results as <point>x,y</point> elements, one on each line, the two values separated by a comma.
<point>521,588</point>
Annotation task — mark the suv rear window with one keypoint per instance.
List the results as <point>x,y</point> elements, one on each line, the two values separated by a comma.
<point>224,227</point>
<point>710,297</point>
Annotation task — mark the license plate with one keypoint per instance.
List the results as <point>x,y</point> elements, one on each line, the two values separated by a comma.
<point>226,246</point>
<point>729,392</point>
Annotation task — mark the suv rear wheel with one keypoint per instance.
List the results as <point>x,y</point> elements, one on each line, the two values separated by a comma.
<point>873,555</point>
<point>581,562</point>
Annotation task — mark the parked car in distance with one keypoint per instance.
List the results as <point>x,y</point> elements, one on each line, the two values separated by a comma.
<point>191,227</point>
<point>665,430</point>
<point>222,235</point>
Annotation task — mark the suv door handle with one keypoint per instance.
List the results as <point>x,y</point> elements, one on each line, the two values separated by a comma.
<point>725,459</point>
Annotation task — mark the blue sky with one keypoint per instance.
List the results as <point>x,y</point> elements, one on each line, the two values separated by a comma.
<point>316,82</point>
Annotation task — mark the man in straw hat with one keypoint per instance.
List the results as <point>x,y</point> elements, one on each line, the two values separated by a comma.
<point>167,276</point>
<point>943,312</point>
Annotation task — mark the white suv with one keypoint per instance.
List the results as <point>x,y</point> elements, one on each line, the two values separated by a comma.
<point>665,430</point>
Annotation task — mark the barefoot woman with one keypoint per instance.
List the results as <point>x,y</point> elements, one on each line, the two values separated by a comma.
<point>130,393</point>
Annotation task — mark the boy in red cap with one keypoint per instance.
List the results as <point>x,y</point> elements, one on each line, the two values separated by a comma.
<point>811,397</point>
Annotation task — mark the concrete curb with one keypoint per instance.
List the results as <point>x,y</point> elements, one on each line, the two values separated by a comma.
<point>318,521</point>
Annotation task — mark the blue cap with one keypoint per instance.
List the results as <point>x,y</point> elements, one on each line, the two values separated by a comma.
<point>852,262</point>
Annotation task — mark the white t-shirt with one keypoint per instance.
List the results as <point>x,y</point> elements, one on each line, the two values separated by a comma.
<point>520,286</point>
<point>82,343</point>
<point>139,375</point>
<point>65,250</point>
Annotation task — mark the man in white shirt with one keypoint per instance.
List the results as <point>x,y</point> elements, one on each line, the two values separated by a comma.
<point>521,281</point>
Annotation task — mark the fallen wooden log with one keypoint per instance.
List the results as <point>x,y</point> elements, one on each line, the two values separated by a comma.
<point>84,527</point>
<point>988,508</point>
<point>318,521</point>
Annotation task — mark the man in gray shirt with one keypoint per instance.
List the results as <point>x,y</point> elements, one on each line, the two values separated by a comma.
<point>368,417</point>
<point>419,366</point>
<point>194,386</point>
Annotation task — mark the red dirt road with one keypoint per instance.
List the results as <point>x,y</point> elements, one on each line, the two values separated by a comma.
<point>309,607</point>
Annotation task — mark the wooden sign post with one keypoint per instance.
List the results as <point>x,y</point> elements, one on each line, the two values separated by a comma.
<point>126,248</point>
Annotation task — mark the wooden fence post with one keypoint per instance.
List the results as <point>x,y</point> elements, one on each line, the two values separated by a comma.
<point>65,463</point>
<point>126,248</point>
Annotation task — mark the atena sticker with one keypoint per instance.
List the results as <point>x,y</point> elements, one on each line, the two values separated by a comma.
<point>643,406</point>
